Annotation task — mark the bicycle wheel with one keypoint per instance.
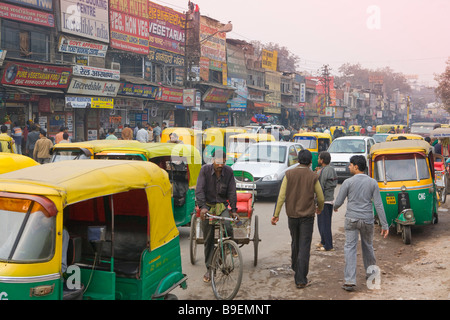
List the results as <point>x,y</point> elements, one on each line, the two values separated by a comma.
<point>226,270</point>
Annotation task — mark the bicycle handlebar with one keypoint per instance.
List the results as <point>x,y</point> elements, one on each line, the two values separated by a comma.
<point>220,218</point>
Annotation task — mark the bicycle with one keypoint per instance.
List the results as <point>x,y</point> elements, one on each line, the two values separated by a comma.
<point>226,264</point>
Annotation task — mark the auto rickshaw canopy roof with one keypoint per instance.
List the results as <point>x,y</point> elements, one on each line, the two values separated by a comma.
<point>12,161</point>
<point>254,136</point>
<point>442,132</point>
<point>96,178</point>
<point>408,136</point>
<point>154,149</point>
<point>215,135</point>
<point>319,135</point>
<point>93,145</point>
<point>400,146</point>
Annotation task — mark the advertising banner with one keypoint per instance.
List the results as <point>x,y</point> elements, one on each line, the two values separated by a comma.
<point>129,33</point>
<point>236,62</point>
<point>167,28</point>
<point>213,43</point>
<point>238,103</point>
<point>82,47</point>
<point>217,95</point>
<point>137,8</point>
<point>86,102</point>
<point>93,87</point>
<point>85,18</point>
<point>99,73</point>
<point>34,75</point>
<point>137,90</point>
<point>46,5</point>
<point>9,11</point>
<point>269,59</point>
<point>170,95</point>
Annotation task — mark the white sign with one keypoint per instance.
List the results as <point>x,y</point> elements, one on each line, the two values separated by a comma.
<point>105,74</point>
<point>77,102</point>
<point>82,47</point>
<point>302,92</point>
<point>86,18</point>
<point>93,87</point>
<point>189,96</point>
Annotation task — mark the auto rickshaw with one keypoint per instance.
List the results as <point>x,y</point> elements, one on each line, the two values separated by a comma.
<point>182,162</point>
<point>332,128</point>
<point>354,130</point>
<point>13,161</point>
<point>442,163</point>
<point>186,135</point>
<point>82,150</point>
<point>315,142</point>
<point>110,222</point>
<point>405,174</point>
<point>216,138</point>
<point>406,136</point>
<point>385,128</point>
<point>238,143</point>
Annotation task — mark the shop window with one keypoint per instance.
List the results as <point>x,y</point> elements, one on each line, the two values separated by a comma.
<point>25,41</point>
<point>129,65</point>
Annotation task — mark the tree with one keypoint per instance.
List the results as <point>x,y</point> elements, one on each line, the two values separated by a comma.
<point>443,89</point>
<point>287,61</point>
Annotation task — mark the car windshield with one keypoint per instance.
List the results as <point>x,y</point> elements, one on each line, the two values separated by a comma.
<point>422,128</point>
<point>401,168</point>
<point>264,153</point>
<point>306,142</point>
<point>239,145</point>
<point>379,138</point>
<point>61,155</point>
<point>347,146</point>
<point>27,232</point>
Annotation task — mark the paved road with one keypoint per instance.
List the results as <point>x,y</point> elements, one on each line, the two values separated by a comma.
<point>274,253</point>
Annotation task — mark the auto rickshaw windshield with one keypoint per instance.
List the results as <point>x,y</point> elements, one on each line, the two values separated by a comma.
<point>62,155</point>
<point>27,231</point>
<point>347,146</point>
<point>307,142</point>
<point>239,145</point>
<point>406,167</point>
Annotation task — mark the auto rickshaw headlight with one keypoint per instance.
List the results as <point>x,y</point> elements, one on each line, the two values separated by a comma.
<point>409,215</point>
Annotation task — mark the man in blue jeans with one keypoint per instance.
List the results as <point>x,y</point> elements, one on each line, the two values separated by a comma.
<point>360,190</point>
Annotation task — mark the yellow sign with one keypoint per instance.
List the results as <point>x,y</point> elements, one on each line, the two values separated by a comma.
<point>269,59</point>
<point>102,103</point>
<point>390,200</point>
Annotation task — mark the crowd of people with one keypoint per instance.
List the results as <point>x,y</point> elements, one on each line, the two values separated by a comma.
<point>142,133</point>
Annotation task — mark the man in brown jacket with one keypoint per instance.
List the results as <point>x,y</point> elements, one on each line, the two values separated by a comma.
<point>42,147</point>
<point>299,187</point>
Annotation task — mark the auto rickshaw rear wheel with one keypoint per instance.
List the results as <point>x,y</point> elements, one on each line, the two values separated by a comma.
<point>193,239</point>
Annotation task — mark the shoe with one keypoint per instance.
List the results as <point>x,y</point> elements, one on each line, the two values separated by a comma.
<point>303,285</point>
<point>207,277</point>
<point>348,287</point>
<point>323,249</point>
<point>319,245</point>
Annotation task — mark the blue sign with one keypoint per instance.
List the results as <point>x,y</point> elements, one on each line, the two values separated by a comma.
<point>46,5</point>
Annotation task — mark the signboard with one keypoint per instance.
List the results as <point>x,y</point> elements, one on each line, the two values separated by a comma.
<point>137,90</point>
<point>46,5</point>
<point>2,56</point>
<point>269,59</point>
<point>302,92</point>
<point>137,8</point>
<point>236,62</point>
<point>87,102</point>
<point>82,47</point>
<point>170,95</point>
<point>93,87</point>
<point>213,43</point>
<point>99,73</point>
<point>9,11</point>
<point>238,103</point>
<point>34,75</point>
<point>167,28</point>
<point>129,33</point>
<point>85,18</point>
<point>217,95</point>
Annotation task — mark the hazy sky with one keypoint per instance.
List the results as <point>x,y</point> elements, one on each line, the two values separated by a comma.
<point>410,36</point>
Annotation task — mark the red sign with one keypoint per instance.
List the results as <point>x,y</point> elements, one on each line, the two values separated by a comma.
<point>129,33</point>
<point>9,11</point>
<point>34,75</point>
<point>216,95</point>
<point>170,95</point>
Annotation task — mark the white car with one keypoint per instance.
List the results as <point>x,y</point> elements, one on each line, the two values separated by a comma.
<point>269,127</point>
<point>343,148</point>
<point>267,162</point>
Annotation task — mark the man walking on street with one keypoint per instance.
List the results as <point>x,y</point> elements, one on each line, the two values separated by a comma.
<point>42,147</point>
<point>298,189</point>
<point>360,190</point>
<point>328,181</point>
<point>215,186</point>
<point>32,137</point>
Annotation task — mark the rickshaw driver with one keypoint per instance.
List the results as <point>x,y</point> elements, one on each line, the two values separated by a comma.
<point>215,186</point>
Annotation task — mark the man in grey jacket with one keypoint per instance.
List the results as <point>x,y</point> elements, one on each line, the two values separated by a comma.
<point>328,181</point>
<point>360,190</point>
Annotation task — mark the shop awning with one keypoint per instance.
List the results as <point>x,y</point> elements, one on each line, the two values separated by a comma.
<point>33,90</point>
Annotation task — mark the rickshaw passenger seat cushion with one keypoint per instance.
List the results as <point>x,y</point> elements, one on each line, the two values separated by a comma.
<point>439,166</point>
<point>241,196</point>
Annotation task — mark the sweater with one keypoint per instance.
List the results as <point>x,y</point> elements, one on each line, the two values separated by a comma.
<point>42,148</point>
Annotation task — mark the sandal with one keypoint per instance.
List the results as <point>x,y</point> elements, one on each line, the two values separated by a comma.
<point>323,249</point>
<point>207,277</point>
<point>303,285</point>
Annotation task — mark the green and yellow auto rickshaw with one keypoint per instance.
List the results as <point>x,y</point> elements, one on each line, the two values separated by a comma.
<point>188,136</point>
<point>238,143</point>
<point>82,150</point>
<point>315,142</point>
<point>110,222</point>
<point>405,174</point>
<point>216,139</point>
<point>182,162</point>
<point>403,136</point>
<point>353,130</point>
<point>13,161</point>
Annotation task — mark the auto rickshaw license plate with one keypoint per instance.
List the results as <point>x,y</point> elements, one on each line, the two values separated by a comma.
<point>391,200</point>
